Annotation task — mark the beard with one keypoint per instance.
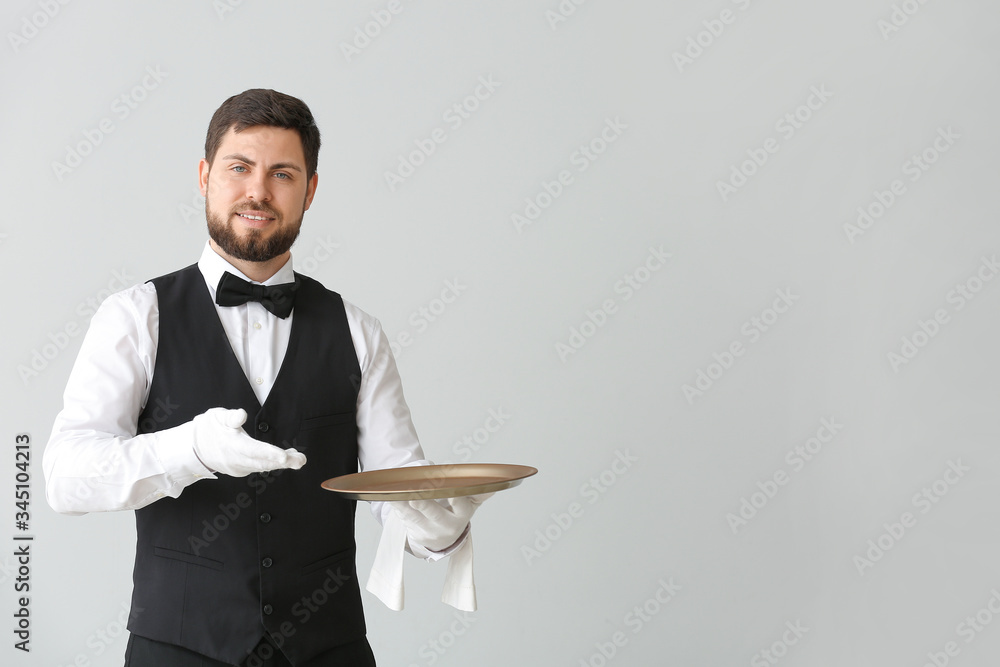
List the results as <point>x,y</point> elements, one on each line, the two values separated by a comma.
<point>254,246</point>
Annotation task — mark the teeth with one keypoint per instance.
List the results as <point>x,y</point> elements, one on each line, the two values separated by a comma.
<point>252,217</point>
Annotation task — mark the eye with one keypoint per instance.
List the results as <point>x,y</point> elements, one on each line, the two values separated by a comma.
<point>282,175</point>
<point>238,168</point>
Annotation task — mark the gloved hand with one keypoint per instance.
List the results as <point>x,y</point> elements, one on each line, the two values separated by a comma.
<point>434,525</point>
<point>223,446</point>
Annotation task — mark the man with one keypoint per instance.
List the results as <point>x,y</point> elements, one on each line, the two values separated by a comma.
<point>241,557</point>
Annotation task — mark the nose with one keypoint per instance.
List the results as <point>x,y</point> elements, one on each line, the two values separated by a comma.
<point>257,187</point>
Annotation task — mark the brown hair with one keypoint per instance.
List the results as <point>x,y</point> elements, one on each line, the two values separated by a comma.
<point>259,106</point>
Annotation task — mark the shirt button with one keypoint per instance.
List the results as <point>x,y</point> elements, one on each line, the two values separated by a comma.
<point>256,325</point>
<point>265,518</point>
<point>267,562</point>
<point>263,427</point>
<point>268,609</point>
<point>260,380</point>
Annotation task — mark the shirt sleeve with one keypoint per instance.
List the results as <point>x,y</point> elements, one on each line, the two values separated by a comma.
<point>94,461</point>
<point>386,435</point>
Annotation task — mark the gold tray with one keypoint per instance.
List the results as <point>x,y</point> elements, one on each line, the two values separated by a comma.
<point>428,482</point>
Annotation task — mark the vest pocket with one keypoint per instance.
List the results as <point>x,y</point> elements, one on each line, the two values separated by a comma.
<point>346,554</point>
<point>188,558</point>
<point>327,420</point>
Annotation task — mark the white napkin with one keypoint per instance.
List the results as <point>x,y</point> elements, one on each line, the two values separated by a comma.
<point>386,579</point>
<point>459,584</point>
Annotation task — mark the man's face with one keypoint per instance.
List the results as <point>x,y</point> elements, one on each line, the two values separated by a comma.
<point>256,192</point>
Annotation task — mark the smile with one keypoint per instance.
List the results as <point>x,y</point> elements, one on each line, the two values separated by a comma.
<point>256,218</point>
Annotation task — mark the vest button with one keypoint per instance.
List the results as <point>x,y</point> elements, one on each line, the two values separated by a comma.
<point>268,609</point>
<point>265,518</point>
<point>265,474</point>
<point>263,427</point>
<point>267,562</point>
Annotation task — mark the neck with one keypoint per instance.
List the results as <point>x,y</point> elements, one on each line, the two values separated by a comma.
<point>257,271</point>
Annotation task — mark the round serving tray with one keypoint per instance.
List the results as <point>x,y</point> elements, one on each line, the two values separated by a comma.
<point>429,482</point>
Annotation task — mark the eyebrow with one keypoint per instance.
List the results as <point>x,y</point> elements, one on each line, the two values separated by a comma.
<point>280,165</point>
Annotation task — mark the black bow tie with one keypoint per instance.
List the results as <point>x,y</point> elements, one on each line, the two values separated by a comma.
<point>277,299</point>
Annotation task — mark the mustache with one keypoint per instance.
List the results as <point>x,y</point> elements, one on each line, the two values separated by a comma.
<point>254,206</point>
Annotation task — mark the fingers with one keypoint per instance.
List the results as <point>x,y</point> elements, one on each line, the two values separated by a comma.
<point>294,459</point>
<point>263,456</point>
<point>222,445</point>
<point>243,455</point>
<point>232,418</point>
<point>422,512</point>
<point>466,506</point>
<point>462,506</point>
<point>428,508</point>
<point>405,512</point>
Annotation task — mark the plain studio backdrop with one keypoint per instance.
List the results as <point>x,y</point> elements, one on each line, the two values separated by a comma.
<point>725,272</point>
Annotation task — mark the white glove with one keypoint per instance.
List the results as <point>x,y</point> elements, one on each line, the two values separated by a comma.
<point>223,446</point>
<point>434,525</point>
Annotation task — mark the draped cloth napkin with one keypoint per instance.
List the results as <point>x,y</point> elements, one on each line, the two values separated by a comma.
<point>386,578</point>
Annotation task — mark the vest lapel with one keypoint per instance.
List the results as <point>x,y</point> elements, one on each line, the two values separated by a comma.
<point>218,339</point>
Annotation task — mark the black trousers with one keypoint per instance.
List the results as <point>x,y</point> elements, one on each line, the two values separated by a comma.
<point>143,652</point>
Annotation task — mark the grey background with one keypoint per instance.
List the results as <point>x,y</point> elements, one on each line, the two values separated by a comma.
<point>130,207</point>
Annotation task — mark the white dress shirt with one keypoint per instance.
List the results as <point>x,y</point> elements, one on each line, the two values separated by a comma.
<point>94,461</point>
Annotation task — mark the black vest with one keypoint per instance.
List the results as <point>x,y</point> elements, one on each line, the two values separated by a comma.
<point>232,558</point>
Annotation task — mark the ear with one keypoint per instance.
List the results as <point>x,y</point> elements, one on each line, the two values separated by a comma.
<point>311,191</point>
<point>203,168</point>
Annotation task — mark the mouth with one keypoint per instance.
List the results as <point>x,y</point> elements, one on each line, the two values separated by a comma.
<point>255,218</point>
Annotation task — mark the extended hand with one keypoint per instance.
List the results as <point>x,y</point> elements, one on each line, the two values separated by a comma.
<point>223,446</point>
<point>436,526</point>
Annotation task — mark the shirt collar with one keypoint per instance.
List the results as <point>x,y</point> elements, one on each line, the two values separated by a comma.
<point>212,265</point>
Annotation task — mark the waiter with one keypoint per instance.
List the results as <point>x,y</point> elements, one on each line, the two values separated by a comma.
<point>214,400</point>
